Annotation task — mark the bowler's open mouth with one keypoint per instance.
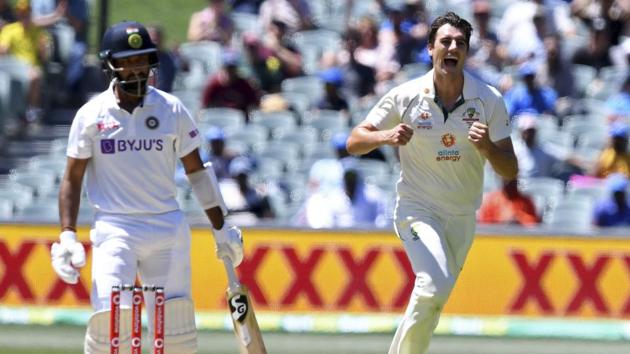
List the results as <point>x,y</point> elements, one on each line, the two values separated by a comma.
<point>450,62</point>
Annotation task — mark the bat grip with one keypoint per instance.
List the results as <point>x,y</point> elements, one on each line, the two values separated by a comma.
<point>231,274</point>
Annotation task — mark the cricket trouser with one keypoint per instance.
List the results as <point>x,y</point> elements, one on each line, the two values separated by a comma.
<point>154,247</point>
<point>436,245</point>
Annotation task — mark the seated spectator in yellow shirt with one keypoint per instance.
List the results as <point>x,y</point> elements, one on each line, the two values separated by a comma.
<point>615,158</point>
<point>29,44</point>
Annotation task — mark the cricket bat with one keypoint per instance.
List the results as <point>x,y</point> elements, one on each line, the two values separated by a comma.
<point>244,321</point>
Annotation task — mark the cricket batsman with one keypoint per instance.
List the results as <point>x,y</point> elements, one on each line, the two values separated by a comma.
<point>126,142</point>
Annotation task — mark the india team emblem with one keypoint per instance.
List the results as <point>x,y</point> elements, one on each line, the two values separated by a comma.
<point>152,122</point>
<point>448,140</point>
<point>134,40</point>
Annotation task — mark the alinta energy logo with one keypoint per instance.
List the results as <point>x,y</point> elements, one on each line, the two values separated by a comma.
<point>448,140</point>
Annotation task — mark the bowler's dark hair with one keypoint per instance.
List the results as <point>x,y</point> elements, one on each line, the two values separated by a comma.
<point>454,20</point>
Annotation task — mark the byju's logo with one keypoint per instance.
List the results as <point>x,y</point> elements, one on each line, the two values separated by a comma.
<point>108,146</point>
<point>111,146</point>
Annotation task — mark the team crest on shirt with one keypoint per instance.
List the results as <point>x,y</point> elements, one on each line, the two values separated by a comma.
<point>470,115</point>
<point>449,154</point>
<point>421,116</point>
<point>152,122</point>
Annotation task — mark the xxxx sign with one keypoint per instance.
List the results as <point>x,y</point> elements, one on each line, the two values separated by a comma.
<point>300,271</point>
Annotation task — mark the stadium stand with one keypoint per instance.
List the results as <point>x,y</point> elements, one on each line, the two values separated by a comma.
<point>285,141</point>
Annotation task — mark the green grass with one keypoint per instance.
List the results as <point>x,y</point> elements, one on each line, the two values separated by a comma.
<point>172,15</point>
<point>69,339</point>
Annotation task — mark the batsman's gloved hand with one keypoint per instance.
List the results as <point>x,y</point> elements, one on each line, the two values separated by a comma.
<point>67,255</point>
<point>229,243</point>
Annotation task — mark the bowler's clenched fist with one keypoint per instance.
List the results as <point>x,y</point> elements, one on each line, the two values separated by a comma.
<point>479,136</point>
<point>399,135</point>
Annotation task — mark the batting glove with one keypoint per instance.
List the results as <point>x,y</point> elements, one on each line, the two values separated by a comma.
<point>229,243</point>
<point>67,255</point>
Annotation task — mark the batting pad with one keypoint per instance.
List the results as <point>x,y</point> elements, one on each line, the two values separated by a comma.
<point>97,333</point>
<point>180,331</point>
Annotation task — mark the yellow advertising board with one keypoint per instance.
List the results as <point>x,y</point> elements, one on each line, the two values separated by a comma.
<point>350,271</point>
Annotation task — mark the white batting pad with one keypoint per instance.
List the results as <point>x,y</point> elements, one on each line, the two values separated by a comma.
<point>180,331</point>
<point>97,333</point>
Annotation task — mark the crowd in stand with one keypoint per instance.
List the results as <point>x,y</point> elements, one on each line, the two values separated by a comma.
<point>560,65</point>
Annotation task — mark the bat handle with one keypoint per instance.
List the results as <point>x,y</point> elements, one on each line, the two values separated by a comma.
<point>231,274</point>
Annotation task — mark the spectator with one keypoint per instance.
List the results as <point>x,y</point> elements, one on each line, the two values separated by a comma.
<point>333,98</point>
<point>217,154</point>
<point>6,13</point>
<point>611,13</point>
<point>484,43</point>
<point>170,62</point>
<point>596,52</point>
<point>507,206</point>
<point>530,97</point>
<point>295,14</point>
<point>212,23</point>
<point>618,104</point>
<point>359,78</point>
<point>371,52</point>
<point>615,158</point>
<point>29,44</point>
<point>73,13</point>
<point>240,195</point>
<point>522,17</point>
<point>405,33</point>
<point>326,204</point>
<point>273,57</point>
<point>227,88</point>
<point>557,71</point>
<point>537,159</point>
<point>366,202</point>
<point>614,209</point>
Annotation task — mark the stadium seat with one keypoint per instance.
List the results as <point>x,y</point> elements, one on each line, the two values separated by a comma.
<point>6,209</point>
<point>311,86</point>
<point>41,182</point>
<point>594,191</point>
<point>280,120</point>
<point>327,123</point>
<point>42,212</point>
<point>545,191</point>
<point>268,168</point>
<point>207,53</point>
<point>55,164</point>
<point>285,152</point>
<point>190,99</point>
<point>254,135</point>
<point>570,214</point>
<point>298,101</point>
<point>305,137</point>
<point>222,117</point>
<point>374,171</point>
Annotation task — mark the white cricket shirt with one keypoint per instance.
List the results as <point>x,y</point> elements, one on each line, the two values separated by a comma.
<point>132,156</point>
<point>440,168</point>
